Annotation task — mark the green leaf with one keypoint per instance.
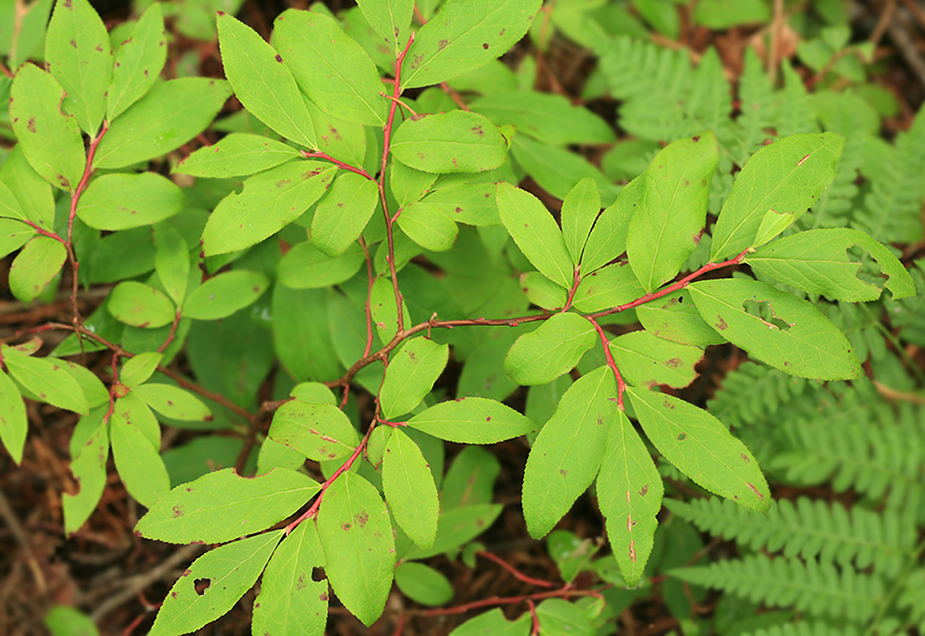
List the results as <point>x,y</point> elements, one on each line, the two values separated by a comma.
<point>140,466</point>
<point>290,602</point>
<point>13,423</point>
<point>675,317</point>
<point>472,203</point>
<point>457,141</point>
<point>138,62</point>
<point>409,185</point>
<point>610,286</point>
<point>391,19</point>
<point>139,305</point>
<point>13,235</point>
<point>68,621</point>
<point>568,451</point>
<point>307,267</point>
<point>35,267</point>
<point>89,470</point>
<point>270,201</point>
<point>9,205</point>
<point>817,261</point>
<point>263,82</point>
<point>462,37</point>
<point>579,211</point>
<point>493,623</point>
<point>330,67</point>
<point>428,226</point>
<point>34,194</point>
<point>91,386</point>
<point>798,338</point>
<point>629,492</point>
<point>608,237</point>
<point>31,21</point>
<point>123,201</point>
<point>171,261</point>
<point>673,208</point>
<point>423,584</point>
<point>384,309</point>
<point>786,177</point>
<point>78,55</point>
<point>236,155</point>
<point>549,118</point>
<point>472,420</point>
<point>318,431</point>
<point>645,360</point>
<point>536,233</point>
<point>355,532</point>
<point>409,488</point>
<point>343,213</point>
<point>542,292</point>
<point>140,368</point>
<point>167,117</point>
<point>228,572</point>
<point>720,15</point>
<point>136,412</point>
<point>455,528</point>
<point>222,506</point>
<point>557,169</point>
<point>555,348</point>
<point>223,295</point>
<point>411,374</point>
<point>701,447</point>
<point>173,402</point>
<point>46,380</point>
<point>50,139</point>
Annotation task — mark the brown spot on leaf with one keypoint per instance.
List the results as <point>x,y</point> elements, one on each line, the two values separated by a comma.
<point>563,472</point>
<point>279,58</point>
<point>361,518</point>
<point>745,458</point>
<point>30,126</point>
<point>674,363</point>
<point>485,46</point>
<point>644,490</point>
<point>177,512</point>
<point>696,139</point>
<point>442,44</point>
<point>346,527</point>
<point>682,437</point>
<point>721,325</point>
<point>323,597</point>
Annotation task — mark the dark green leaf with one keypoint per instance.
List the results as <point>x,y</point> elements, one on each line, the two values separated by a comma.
<point>461,39</point>
<point>629,492</point>
<point>262,82</point>
<point>555,348</point>
<point>330,67</point>
<point>457,527</point>
<point>457,141</point>
<point>229,571</point>
<point>796,337</point>
<point>317,431</point>
<point>784,178</point>
<point>123,201</point>
<point>168,116</point>
<point>568,451</point>
<point>409,488</point>
<point>49,138</point>
<point>701,447</point>
<point>536,233</point>
<point>557,170</point>
<point>222,506</point>
<point>223,295</point>
<point>411,374</point>
<point>423,584</point>
<point>141,306</point>
<point>237,155</point>
<point>354,528</point>
<point>171,261</point>
<point>78,55</point>
<point>290,602</point>
<point>138,62</point>
<point>384,309</point>
<point>666,226</point>
<point>270,201</point>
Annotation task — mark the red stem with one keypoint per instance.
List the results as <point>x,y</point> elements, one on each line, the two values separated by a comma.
<point>336,162</point>
<point>510,568</point>
<point>43,232</point>
<point>621,385</point>
<point>535,631</point>
<point>565,592</point>
<point>172,334</point>
<point>576,278</point>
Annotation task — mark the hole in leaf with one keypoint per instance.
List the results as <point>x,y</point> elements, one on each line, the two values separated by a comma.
<point>201,585</point>
<point>765,312</point>
<point>869,270</point>
<point>317,574</point>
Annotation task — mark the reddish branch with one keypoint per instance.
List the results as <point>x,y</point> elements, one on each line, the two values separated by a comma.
<point>621,385</point>
<point>336,162</point>
<point>510,568</point>
<point>565,592</point>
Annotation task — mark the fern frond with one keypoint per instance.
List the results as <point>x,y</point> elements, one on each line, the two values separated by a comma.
<point>912,599</point>
<point>810,529</point>
<point>753,393</point>
<point>795,113</point>
<point>709,105</point>
<point>891,211</point>
<point>860,324</point>
<point>818,589</point>
<point>858,440</point>
<point>805,629</point>
<point>758,107</point>
<point>908,314</point>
